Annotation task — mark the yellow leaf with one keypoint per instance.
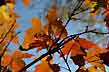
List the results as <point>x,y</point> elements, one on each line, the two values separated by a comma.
<point>95,69</point>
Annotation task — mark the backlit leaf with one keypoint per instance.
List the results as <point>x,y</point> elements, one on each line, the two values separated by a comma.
<point>43,67</point>
<point>36,24</point>
<point>29,36</point>
<point>54,23</point>
<point>52,14</point>
<point>17,63</point>
<point>6,60</point>
<point>39,44</point>
<point>47,67</point>
<point>67,47</point>
<point>95,69</point>
<point>58,28</point>
<point>26,2</point>
<point>73,47</point>
<point>84,43</point>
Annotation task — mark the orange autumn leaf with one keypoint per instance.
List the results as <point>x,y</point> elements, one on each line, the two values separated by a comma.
<point>15,40</point>
<point>73,47</point>
<point>36,24</point>
<point>76,49</point>
<point>84,43</point>
<point>41,41</point>
<point>87,44</point>
<point>43,67</point>
<point>57,27</point>
<point>52,14</point>
<point>20,55</point>
<point>26,2</point>
<point>29,36</point>
<point>46,28</point>
<point>6,60</point>
<point>17,25</point>
<point>54,23</point>
<point>39,44</point>
<point>67,47</point>
<point>47,65</point>
<point>17,63</point>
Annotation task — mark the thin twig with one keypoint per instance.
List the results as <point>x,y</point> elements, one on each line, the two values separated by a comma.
<point>65,60</point>
<point>9,43</point>
<point>63,67</point>
<point>57,39</point>
<point>72,14</point>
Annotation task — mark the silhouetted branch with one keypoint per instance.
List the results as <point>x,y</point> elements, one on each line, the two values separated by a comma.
<point>53,50</point>
<point>65,61</point>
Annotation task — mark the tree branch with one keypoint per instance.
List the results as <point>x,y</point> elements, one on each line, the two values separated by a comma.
<point>53,50</point>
